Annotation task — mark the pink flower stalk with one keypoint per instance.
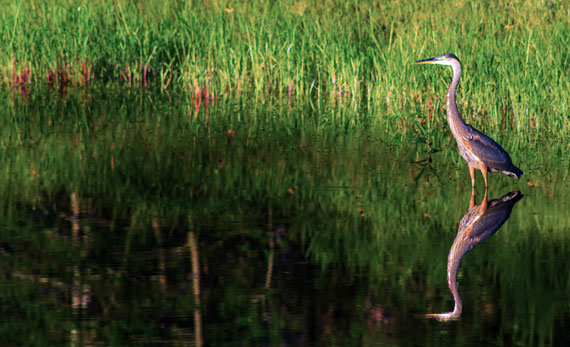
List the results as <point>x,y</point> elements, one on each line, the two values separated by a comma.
<point>197,97</point>
<point>85,71</point>
<point>50,77</point>
<point>24,77</point>
<point>205,95</point>
<point>145,70</point>
<point>128,76</point>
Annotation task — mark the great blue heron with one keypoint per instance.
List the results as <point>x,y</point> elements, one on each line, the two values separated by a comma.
<point>480,222</point>
<point>479,150</point>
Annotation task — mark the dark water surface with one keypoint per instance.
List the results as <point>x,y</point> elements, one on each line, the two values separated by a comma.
<point>131,220</point>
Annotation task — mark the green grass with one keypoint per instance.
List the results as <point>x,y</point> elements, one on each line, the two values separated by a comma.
<point>516,54</point>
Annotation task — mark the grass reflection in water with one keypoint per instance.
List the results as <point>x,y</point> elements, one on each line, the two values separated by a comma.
<point>142,224</point>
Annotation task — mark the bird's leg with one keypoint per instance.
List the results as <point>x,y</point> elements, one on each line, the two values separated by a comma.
<point>485,202</point>
<point>484,172</point>
<point>472,201</point>
<point>472,173</point>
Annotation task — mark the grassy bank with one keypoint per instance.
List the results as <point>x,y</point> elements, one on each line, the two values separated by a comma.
<point>516,55</point>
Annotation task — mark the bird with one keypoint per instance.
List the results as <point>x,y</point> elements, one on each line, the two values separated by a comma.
<point>479,223</point>
<point>479,150</point>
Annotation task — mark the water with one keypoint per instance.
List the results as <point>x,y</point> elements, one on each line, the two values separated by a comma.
<point>128,222</point>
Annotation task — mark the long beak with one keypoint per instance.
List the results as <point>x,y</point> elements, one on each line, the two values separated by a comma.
<point>426,61</point>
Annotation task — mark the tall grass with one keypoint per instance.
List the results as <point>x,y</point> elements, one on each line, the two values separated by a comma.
<point>516,54</point>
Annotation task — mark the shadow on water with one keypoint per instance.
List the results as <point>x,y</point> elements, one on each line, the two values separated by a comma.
<point>480,222</point>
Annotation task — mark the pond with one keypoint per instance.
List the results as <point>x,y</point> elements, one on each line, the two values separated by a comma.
<point>130,219</point>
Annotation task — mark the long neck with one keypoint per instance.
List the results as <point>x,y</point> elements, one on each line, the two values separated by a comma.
<point>460,246</point>
<point>453,262</point>
<point>453,118</point>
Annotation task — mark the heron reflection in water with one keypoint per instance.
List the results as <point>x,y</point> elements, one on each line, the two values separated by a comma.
<point>480,222</point>
<point>479,150</point>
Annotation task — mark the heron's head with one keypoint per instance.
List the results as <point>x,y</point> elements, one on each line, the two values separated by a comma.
<point>446,59</point>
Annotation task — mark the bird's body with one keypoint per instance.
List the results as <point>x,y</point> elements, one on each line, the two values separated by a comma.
<point>479,150</point>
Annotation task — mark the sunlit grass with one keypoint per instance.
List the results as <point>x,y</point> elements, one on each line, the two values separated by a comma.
<point>515,54</point>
